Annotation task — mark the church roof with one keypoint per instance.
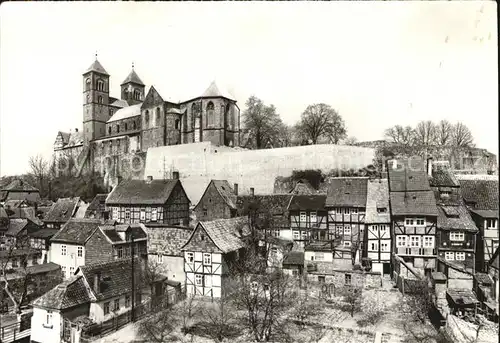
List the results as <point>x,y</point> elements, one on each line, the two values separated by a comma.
<point>216,91</point>
<point>96,67</point>
<point>134,78</point>
<point>126,112</point>
<point>119,103</point>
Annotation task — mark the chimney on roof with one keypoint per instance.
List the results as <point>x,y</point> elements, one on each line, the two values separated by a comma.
<point>175,175</point>
<point>429,166</point>
<point>97,282</point>
<point>252,191</point>
<point>149,179</point>
<point>236,189</point>
<point>76,129</point>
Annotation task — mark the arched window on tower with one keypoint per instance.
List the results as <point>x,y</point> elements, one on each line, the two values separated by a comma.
<point>134,125</point>
<point>177,124</point>
<point>126,127</point>
<point>88,84</point>
<point>117,128</point>
<point>137,95</point>
<point>99,99</point>
<point>158,114</point>
<point>146,118</point>
<point>100,85</point>
<point>210,114</point>
<point>109,130</point>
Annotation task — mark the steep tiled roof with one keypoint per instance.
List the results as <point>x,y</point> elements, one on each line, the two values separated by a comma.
<point>134,78</point>
<point>62,210</point>
<point>126,112</point>
<point>462,296</point>
<point>486,213</point>
<point>225,233</point>
<point>142,192</point>
<point>483,278</point>
<point>347,191</point>
<point>294,258</point>
<point>96,67</point>
<point>377,197</point>
<point>76,231</point>
<point>215,91</point>
<point>409,175</point>
<point>275,204</point>
<point>481,194</point>
<point>115,276</point>
<point>16,225</point>
<point>167,240</point>
<point>98,203</point>
<point>64,137</point>
<point>69,293</point>
<point>455,218</point>
<point>75,139</point>
<point>43,233</point>
<point>307,202</point>
<point>442,176</point>
<point>303,187</point>
<point>19,185</point>
<point>112,232</point>
<point>226,192</point>
<point>413,203</point>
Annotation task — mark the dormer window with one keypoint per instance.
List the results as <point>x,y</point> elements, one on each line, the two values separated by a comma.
<point>381,209</point>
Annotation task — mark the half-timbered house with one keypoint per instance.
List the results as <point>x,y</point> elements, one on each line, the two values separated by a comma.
<point>308,219</point>
<point>217,202</point>
<point>63,210</point>
<point>480,195</point>
<point>346,205</point>
<point>149,201</point>
<point>413,214</point>
<point>378,226</point>
<point>456,231</point>
<point>209,253</point>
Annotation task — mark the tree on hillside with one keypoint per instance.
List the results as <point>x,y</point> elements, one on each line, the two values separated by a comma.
<point>321,121</point>
<point>262,121</point>
<point>443,133</point>
<point>350,140</point>
<point>425,133</point>
<point>399,134</point>
<point>285,137</point>
<point>39,169</point>
<point>461,136</point>
<point>314,176</point>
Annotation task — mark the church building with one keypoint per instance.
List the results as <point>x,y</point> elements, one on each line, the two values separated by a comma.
<point>139,120</point>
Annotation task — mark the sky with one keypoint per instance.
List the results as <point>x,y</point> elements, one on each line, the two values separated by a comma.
<point>377,63</point>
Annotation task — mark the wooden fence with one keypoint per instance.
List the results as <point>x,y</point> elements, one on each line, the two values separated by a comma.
<point>16,331</point>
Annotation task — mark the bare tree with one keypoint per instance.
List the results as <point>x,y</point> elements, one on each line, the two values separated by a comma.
<point>188,309</point>
<point>425,133</point>
<point>321,121</point>
<point>350,140</point>
<point>444,133</point>
<point>220,320</point>
<point>399,134</point>
<point>39,168</point>
<point>461,136</point>
<point>159,327</point>
<point>353,296</point>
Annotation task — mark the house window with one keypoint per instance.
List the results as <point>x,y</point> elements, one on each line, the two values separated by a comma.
<point>120,252</point>
<point>296,235</point>
<point>127,301</point>
<point>408,221</point>
<point>319,256</point>
<point>160,258</point>
<point>198,279</point>
<point>457,236</point>
<point>99,99</point>
<point>127,213</point>
<point>137,95</point>
<point>428,242</point>
<point>100,85</point>
<point>106,308</point>
<point>126,127</point>
<point>347,230</point>
<point>415,241</point>
<point>63,250</point>
<point>71,270</point>
<point>143,214</point>
<point>303,217</point>
<point>158,115</point>
<point>383,230</point>
<point>374,246</point>
<point>207,259</point>
<point>460,256</point>
<point>146,118</point>
<point>381,209</point>
<point>347,244</point>
<point>401,241</point>
<point>109,132</point>
<point>420,222</point>
<point>205,212</point>
<point>154,214</point>
<point>177,124</point>
<point>80,251</point>
<point>295,272</point>
<point>190,257</point>
<point>276,233</point>
<point>449,256</point>
<point>445,194</point>
<point>117,128</point>
<point>313,217</point>
<point>347,279</point>
<point>384,246</point>
<point>303,235</point>
<point>48,320</point>
<point>117,305</point>
<point>14,263</point>
<point>491,223</point>
<point>321,279</point>
<point>354,210</point>
<point>63,269</point>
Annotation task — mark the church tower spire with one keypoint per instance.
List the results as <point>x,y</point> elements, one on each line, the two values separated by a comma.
<point>95,101</point>
<point>132,88</point>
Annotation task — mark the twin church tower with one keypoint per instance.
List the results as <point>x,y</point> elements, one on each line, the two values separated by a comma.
<point>139,120</point>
